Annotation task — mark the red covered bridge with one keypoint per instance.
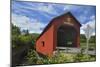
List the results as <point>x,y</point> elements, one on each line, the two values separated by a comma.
<point>62,31</point>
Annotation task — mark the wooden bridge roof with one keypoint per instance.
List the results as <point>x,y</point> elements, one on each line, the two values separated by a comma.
<point>49,25</point>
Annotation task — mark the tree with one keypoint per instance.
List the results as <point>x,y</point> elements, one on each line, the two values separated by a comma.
<point>88,33</point>
<point>25,32</point>
<point>15,30</point>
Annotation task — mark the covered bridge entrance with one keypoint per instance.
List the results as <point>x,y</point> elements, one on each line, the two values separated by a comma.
<point>66,36</point>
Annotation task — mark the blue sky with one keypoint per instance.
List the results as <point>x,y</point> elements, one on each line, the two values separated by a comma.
<point>34,16</point>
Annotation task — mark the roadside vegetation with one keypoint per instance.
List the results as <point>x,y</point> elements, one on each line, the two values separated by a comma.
<point>23,50</point>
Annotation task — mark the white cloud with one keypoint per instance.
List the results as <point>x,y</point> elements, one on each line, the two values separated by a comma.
<point>82,32</point>
<point>68,7</point>
<point>91,23</point>
<point>48,8</point>
<point>39,7</point>
<point>33,25</point>
<point>82,18</point>
<point>92,17</point>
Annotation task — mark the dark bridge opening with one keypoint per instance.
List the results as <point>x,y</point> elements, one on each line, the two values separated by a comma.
<point>66,36</point>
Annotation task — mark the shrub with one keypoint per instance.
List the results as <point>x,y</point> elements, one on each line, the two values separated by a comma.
<point>58,58</point>
<point>31,57</point>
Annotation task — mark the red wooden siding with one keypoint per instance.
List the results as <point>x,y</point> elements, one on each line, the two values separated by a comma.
<point>49,35</point>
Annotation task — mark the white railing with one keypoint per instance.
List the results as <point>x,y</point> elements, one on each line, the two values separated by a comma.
<point>73,50</point>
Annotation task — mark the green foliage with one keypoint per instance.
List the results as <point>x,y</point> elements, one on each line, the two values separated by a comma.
<point>35,36</point>
<point>80,57</point>
<point>15,41</point>
<point>83,58</point>
<point>15,33</point>
<point>31,57</point>
<point>91,45</point>
<point>83,39</point>
<point>15,30</point>
<point>24,39</point>
<point>93,39</point>
<point>19,40</point>
<point>58,58</point>
<point>25,32</point>
<point>21,43</point>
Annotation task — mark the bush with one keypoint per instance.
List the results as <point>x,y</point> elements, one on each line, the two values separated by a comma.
<point>21,41</point>
<point>84,58</point>
<point>60,57</point>
<point>31,57</point>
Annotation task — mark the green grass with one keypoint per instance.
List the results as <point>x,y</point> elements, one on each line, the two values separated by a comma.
<point>91,45</point>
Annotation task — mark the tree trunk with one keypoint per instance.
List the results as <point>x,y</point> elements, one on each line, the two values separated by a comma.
<point>87,46</point>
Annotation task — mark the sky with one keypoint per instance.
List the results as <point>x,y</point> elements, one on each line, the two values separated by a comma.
<point>34,16</point>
